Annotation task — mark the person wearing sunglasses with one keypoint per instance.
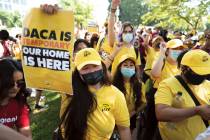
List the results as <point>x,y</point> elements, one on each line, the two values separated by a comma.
<point>14,111</point>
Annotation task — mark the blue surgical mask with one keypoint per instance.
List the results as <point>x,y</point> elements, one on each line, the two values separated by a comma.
<point>174,54</point>
<point>127,37</point>
<point>127,72</point>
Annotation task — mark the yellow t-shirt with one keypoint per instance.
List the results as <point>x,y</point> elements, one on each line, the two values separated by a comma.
<point>104,48</point>
<point>168,71</point>
<point>111,110</point>
<point>66,97</point>
<point>17,52</point>
<point>65,100</point>
<point>191,127</point>
<point>150,57</point>
<point>122,52</point>
<point>129,97</point>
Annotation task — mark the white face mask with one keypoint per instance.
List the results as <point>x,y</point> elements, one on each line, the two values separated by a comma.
<point>174,54</point>
<point>127,37</point>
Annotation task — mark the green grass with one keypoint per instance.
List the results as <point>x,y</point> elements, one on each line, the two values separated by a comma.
<point>44,122</point>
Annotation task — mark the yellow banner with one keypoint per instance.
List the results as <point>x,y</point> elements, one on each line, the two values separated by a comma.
<point>47,49</point>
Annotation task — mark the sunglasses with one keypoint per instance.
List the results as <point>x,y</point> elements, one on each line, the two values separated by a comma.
<point>20,83</point>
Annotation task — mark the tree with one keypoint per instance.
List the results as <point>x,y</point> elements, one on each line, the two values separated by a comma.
<point>4,17</point>
<point>177,14</point>
<point>208,22</point>
<point>131,11</point>
<point>82,12</point>
<point>11,19</point>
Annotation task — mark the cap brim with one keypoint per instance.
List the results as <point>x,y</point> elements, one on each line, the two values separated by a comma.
<point>173,47</point>
<point>201,70</point>
<point>79,67</point>
<point>123,58</point>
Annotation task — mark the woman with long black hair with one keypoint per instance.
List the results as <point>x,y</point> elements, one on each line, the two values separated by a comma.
<point>96,106</point>
<point>126,80</point>
<point>14,111</point>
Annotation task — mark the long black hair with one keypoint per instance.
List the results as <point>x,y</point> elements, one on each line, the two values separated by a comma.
<point>82,104</point>
<point>78,41</point>
<point>135,83</point>
<point>7,69</point>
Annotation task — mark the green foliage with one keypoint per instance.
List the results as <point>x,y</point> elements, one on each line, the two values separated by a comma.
<point>82,12</point>
<point>177,14</point>
<point>208,22</point>
<point>11,19</point>
<point>132,11</point>
<point>44,122</point>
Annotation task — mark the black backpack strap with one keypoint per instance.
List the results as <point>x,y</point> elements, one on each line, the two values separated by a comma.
<point>197,103</point>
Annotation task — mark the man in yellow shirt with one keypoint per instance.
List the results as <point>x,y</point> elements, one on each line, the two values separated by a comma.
<point>181,115</point>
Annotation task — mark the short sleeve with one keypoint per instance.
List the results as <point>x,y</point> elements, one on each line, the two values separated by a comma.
<point>164,94</point>
<point>121,113</point>
<point>23,119</point>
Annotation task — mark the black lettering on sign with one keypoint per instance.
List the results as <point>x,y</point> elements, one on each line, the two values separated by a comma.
<point>53,59</point>
<point>43,34</point>
<point>26,32</point>
<point>52,35</point>
<point>62,35</point>
<point>34,34</point>
<point>67,36</point>
<point>47,34</point>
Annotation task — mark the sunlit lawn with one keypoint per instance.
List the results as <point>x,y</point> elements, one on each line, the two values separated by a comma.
<point>44,122</point>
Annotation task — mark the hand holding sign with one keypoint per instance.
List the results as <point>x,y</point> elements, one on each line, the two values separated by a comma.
<point>49,9</point>
<point>47,49</point>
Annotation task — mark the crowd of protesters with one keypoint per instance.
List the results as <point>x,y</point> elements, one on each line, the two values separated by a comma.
<point>128,83</point>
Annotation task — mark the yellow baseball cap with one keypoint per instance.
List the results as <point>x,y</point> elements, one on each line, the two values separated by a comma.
<point>125,53</point>
<point>174,43</point>
<point>87,56</point>
<point>129,54</point>
<point>198,60</point>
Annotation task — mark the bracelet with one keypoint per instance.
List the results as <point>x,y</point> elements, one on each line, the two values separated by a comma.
<point>113,10</point>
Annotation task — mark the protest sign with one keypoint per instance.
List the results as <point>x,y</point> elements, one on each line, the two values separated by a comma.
<point>47,48</point>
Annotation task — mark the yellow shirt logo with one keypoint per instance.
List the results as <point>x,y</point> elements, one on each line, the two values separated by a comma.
<point>205,58</point>
<point>105,107</point>
<point>86,53</point>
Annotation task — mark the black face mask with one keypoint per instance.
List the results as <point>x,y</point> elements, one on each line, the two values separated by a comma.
<point>208,77</point>
<point>93,78</point>
<point>194,79</point>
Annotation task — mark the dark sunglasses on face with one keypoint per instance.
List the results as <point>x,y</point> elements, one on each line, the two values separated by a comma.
<point>20,83</point>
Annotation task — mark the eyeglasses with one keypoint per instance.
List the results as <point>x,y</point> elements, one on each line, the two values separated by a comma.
<point>20,83</point>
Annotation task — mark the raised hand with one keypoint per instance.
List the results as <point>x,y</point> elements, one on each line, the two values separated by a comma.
<point>163,48</point>
<point>49,9</point>
<point>115,3</point>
